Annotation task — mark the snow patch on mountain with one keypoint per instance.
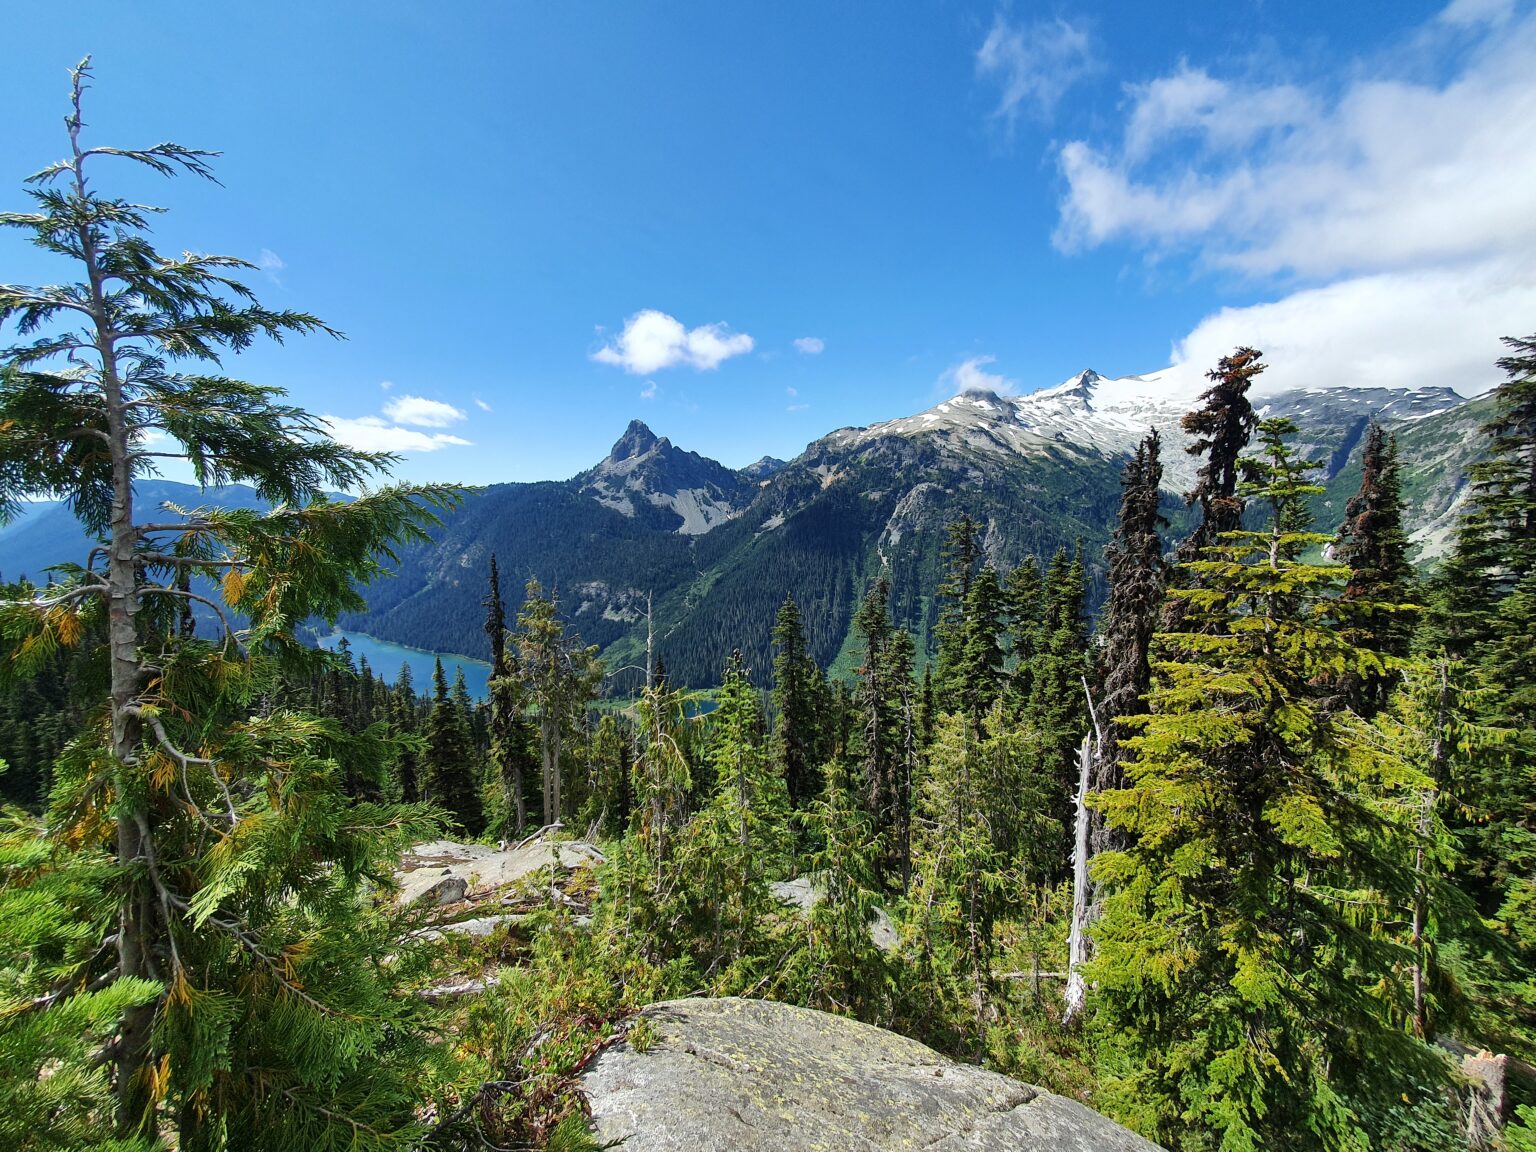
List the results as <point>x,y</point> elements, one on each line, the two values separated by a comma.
<point>1090,415</point>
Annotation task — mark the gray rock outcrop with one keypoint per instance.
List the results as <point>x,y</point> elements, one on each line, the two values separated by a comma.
<point>733,1075</point>
<point>444,871</point>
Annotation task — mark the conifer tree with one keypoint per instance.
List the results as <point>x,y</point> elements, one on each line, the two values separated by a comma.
<point>1256,882</point>
<point>450,778</point>
<point>980,672</point>
<point>403,728</point>
<point>840,968</point>
<point>1220,429</point>
<point>739,841</point>
<point>1485,612</point>
<point>234,875</point>
<point>797,692</point>
<point>1374,547</point>
<point>560,677</point>
<point>1026,613</point>
<point>961,558</point>
<point>887,726</point>
<point>1130,616</point>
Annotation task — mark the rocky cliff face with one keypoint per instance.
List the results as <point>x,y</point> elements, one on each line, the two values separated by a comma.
<point>755,1076</point>
<point>647,468</point>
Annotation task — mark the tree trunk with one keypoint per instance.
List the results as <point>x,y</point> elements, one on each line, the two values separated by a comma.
<point>1077,939</point>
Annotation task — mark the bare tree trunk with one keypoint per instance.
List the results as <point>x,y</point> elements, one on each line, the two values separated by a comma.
<point>137,928</point>
<point>1077,939</point>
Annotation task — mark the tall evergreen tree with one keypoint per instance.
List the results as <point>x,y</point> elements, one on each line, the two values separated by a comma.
<point>797,698</point>
<point>740,839</point>
<point>962,556</point>
<point>1255,885</point>
<point>560,677</point>
<point>450,776</point>
<point>980,672</point>
<point>1220,428</point>
<point>1130,617</point>
<point>234,876</point>
<point>1374,547</point>
<point>887,732</point>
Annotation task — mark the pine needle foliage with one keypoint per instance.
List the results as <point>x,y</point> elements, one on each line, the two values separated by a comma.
<point>1254,888</point>
<point>238,857</point>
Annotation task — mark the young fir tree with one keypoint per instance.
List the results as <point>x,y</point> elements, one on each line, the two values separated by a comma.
<point>229,981</point>
<point>840,968</point>
<point>887,732</point>
<point>980,671</point>
<point>798,689</point>
<point>450,776</point>
<point>962,556</point>
<point>560,677</point>
<point>1374,547</point>
<point>1057,708</point>
<point>958,866</point>
<point>1129,620</point>
<point>1026,614</point>
<point>509,735</point>
<point>1253,895</point>
<point>740,839</point>
<point>403,727</point>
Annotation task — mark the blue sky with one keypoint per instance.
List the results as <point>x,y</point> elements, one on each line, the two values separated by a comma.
<point>749,224</point>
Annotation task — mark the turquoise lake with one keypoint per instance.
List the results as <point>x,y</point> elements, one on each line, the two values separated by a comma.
<point>385,660</point>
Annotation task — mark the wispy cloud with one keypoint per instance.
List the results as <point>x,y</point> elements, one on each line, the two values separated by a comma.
<point>399,428</point>
<point>1033,64</point>
<point>810,345</point>
<point>652,340</point>
<point>271,264</point>
<point>972,373</point>
<point>1393,215</point>
<point>422,412</point>
<point>374,434</point>
<point>386,384</point>
<point>797,407</point>
<point>482,405</point>
<point>649,391</point>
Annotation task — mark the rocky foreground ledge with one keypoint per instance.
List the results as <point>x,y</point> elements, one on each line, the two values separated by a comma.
<point>735,1075</point>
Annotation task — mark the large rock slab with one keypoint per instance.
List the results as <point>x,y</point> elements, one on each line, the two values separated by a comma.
<point>445,871</point>
<point>735,1075</point>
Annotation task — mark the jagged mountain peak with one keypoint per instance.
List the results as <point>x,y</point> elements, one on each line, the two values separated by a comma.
<point>644,469</point>
<point>637,440</point>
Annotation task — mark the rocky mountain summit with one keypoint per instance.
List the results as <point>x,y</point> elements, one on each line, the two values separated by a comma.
<point>755,1076</point>
<point>647,468</point>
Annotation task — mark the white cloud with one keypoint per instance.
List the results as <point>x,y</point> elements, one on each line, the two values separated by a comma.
<point>1392,217</point>
<point>797,407</point>
<point>1433,328</point>
<point>1033,64</point>
<point>1390,172</point>
<point>972,373</point>
<point>791,391</point>
<point>372,434</point>
<point>1464,12</point>
<point>649,391</point>
<point>482,405</point>
<point>423,413</point>
<point>271,264</point>
<point>652,340</point>
<point>810,345</point>
<point>386,384</point>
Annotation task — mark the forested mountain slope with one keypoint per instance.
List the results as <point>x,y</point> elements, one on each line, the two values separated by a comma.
<point>717,551</point>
